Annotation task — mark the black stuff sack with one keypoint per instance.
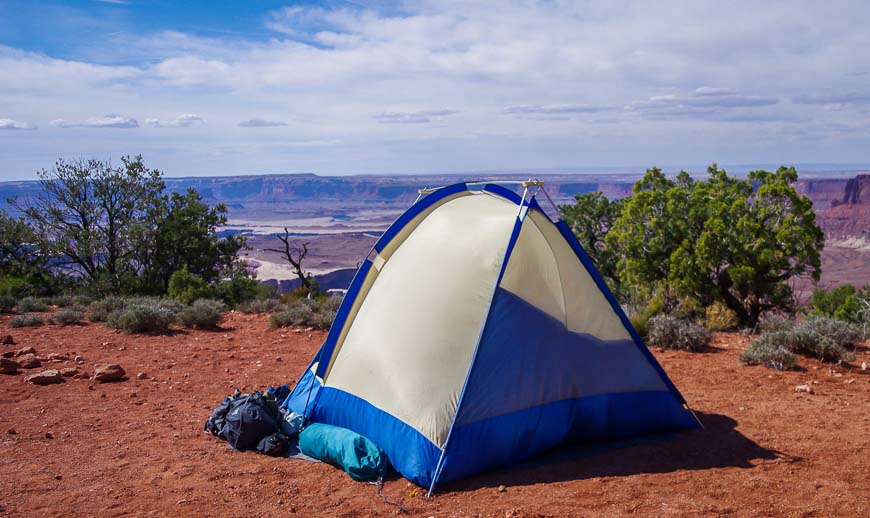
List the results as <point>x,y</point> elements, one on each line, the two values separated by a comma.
<point>245,420</point>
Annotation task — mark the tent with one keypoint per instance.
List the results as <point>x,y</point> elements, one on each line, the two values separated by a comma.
<point>477,333</point>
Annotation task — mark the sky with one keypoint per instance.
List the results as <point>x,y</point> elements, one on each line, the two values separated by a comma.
<point>355,87</point>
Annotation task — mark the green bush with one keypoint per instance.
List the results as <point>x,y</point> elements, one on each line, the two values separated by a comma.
<point>672,333</point>
<point>32,304</point>
<point>719,317</point>
<point>99,310</point>
<point>60,301</point>
<point>7,303</point>
<point>767,350</point>
<point>203,314</point>
<point>26,321</point>
<point>843,303</point>
<point>142,317</point>
<point>640,323</point>
<point>260,306</point>
<point>187,287</point>
<point>68,316</point>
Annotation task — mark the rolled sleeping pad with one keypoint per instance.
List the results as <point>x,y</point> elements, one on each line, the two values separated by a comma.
<point>362,459</point>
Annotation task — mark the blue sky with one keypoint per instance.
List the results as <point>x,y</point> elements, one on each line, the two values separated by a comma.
<point>345,87</point>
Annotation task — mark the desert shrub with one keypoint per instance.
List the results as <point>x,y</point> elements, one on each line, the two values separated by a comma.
<point>672,333</point>
<point>299,313</point>
<point>31,304</point>
<point>26,321</point>
<point>60,301</point>
<point>318,313</point>
<point>773,323</point>
<point>719,317</point>
<point>99,310</point>
<point>142,317</point>
<point>82,300</point>
<point>203,314</point>
<point>766,350</point>
<point>260,306</point>
<point>68,316</point>
<point>819,337</point>
<point>840,332</point>
<point>7,303</point>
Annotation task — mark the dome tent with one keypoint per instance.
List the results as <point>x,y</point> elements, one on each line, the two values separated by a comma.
<point>478,332</point>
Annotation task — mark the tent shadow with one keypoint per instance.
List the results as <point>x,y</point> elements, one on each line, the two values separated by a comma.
<point>718,445</point>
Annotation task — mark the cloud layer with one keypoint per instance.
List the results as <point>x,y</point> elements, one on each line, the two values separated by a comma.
<point>427,86</point>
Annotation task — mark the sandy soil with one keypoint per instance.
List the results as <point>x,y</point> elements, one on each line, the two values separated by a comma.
<point>137,447</point>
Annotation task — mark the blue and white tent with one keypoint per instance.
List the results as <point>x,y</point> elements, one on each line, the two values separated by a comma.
<point>477,333</point>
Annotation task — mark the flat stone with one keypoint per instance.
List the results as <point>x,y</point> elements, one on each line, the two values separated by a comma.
<point>69,371</point>
<point>109,372</point>
<point>29,361</point>
<point>8,366</point>
<point>58,357</point>
<point>48,377</point>
<point>25,350</point>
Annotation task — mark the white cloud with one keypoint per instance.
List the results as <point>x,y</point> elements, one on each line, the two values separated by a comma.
<point>417,117</point>
<point>11,124</point>
<point>185,120</point>
<point>111,120</point>
<point>260,123</point>
<point>681,81</point>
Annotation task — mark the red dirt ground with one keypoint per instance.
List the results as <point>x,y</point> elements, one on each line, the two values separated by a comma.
<point>137,447</point>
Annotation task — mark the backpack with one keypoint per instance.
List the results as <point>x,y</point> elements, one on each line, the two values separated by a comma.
<point>244,420</point>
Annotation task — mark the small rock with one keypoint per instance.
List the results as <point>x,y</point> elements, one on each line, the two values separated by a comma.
<point>58,477</point>
<point>122,348</point>
<point>12,431</point>
<point>804,388</point>
<point>279,359</point>
<point>8,340</point>
<point>48,377</point>
<point>57,357</point>
<point>49,435</point>
<point>109,372</point>
<point>8,354</point>
<point>29,361</point>
<point>25,350</point>
<point>69,371</point>
<point>79,360</point>
<point>864,366</point>
<point>502,489</point>
<point>142,376</point>
<point>849,381</point>
<point>8,366</point>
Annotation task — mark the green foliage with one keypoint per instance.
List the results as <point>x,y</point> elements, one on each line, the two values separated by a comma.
<point>187,287</point>
<point>26,321</point>
<point>238,285</point>
<point>16,287</point>
<point>21,254</point>
<point>261,306</point>
<point>591,218</point>
<point>68,316</point>
<point>668,332</point>
<point>318,313</point>
<point>99,310</point>
<point>203,314</point>
<point>839,332</point>
<point>718,317</point>
<point>843,303</point>
<point>143,316</point>
<point>768,350</point>
<point>723,239</point>
<point>32,304</point>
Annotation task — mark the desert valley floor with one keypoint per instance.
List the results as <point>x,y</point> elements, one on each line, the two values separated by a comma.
<point>137,447</point>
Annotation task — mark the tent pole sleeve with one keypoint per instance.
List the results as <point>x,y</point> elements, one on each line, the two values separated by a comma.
<point>521,215</point>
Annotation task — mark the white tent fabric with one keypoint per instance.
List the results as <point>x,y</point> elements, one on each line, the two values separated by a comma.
<point>420,320</point>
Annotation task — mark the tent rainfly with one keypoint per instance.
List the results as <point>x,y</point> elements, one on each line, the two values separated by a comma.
<point>478,333</point>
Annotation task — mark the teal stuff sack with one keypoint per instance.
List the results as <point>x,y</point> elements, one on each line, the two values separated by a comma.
<point>362,459</point>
